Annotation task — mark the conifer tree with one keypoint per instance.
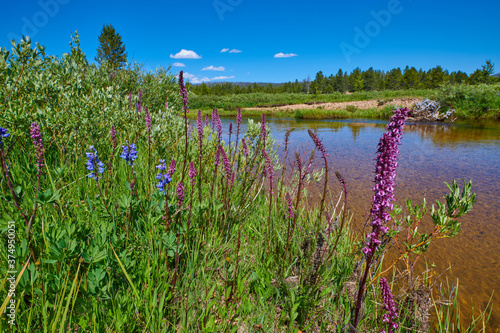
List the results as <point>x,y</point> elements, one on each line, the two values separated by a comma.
<point>111,50</point>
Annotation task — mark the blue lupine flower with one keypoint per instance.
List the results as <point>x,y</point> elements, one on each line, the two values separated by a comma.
<point>163,179</point>
<point>3,134</point>
<point>93,163</point>
<point>129,153</point>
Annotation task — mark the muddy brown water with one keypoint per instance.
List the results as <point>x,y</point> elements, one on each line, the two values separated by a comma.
<point>430,155</point>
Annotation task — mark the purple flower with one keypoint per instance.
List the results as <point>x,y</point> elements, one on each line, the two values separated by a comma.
<point>317,142</point>
<point>206,120</point>
<point>199,125</point>
<point>385,179</point>
<point>166,105</point>
<point>227,166</point>
<point>192,173</point>
<point>263,131</point>
<point>180,194</point>
<point>139,102</point>
<point>245,147</point>
<point>147,118</point>
<point>129,153</point>
<point>217,124</point>
<point>171,169</point>
<point>230,129</point>
<point>94,164</point>
<point>3,134</point>
<point>389,305</point>
<point>268,170</point>
<point>112,132</point>
<point>183,92</point>
<point>342,182</point>
<point>238,121</point>
<point>38,143</point>
<point>217,157</point>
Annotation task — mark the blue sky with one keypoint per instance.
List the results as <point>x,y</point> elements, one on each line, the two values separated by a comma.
<point>310,36</point>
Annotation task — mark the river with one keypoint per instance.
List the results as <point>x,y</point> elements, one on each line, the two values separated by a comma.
<point>430,155</point>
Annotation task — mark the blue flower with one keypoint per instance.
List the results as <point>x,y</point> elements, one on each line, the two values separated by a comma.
<point>129,153</point>
<point>94,164</point>
<point>163,180</point>
<point>3,134</point>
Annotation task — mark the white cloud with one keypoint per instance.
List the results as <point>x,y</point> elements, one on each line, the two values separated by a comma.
<point>212,68</point>
<point>284,55</point>
<point>223,77</point>
<point>178,64</point>
<point>185,54</point>
<point>194,79</point>
<point>235,51</point>
<point>224,50</point>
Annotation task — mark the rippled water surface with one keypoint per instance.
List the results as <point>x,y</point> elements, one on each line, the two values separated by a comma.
<point>430,155</point>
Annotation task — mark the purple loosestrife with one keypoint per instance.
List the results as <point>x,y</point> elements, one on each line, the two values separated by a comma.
<point>38,143</point>
<point>245,147</point>
<point>385,181</point>
<point>206,120</point>
<point>268,170</point>
<point>238,126</point>
<point>139,102</point>
<point>389,305</point>
<point>217,124</point>
<point>263,131</point>
<point>112,132</point>
<point>217,157</point>
<point>147,118</point>
<point>180,194</point>
<point>192,174</point>
<point>183,93</point>
<point>199,126</point>
<point>3,134</point>
<point>129,153</point>
<point>93,164</point>
<point>227,166</point>
<point>171,168</point>
<point>342,182</point>
<point>317,143</point>
<point>163,179</point>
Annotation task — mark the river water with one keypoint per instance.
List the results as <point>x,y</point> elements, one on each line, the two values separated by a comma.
<point>430,155</point>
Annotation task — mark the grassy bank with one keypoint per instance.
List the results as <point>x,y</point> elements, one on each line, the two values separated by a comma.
<point>117,218</point>
<point>470,102</point>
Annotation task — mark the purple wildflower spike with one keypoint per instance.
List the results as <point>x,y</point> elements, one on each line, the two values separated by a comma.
<point>180,194</point>
<point>199,125</point>
<point>227,164</point>
<point>289,203</point>
<point>245,147</point>
<point>171,169</point>
<point>342,182</point>
<point>112,132</point>
<point>268,170</point>
<point>217,124</point>
<point>147,118</point>
<point>317,142</point>
<point>263,131</point>
<point>183,92</point>
<point>389,305</point>
<point>192,173</point>
<point>38,143</point>
<point>206,120</point>
<point>385,179</point>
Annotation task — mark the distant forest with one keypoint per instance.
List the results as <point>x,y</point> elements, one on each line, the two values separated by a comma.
<point>357,80</point>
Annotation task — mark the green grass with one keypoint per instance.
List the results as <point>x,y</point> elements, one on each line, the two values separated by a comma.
<point>118,255</point>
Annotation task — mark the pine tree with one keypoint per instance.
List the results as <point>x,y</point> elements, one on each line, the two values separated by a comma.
<point>111,50</point>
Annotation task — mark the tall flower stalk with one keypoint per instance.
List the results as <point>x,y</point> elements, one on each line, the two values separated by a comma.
<point>199,126</point>
<point>321,148</point>
<point>385,182</point>
<point>149,126</point>
<point>389,306</point>
<point>183,93</point>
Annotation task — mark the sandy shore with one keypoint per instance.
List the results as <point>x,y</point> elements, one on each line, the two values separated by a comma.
<point>370,104</point>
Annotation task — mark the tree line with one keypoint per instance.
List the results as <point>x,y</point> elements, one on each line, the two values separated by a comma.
<point>358,80</point>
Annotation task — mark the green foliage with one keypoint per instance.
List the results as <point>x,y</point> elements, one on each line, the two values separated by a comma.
<point>111,50</point>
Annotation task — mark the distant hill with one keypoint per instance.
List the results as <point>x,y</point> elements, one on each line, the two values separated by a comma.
<point>496,75</point>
